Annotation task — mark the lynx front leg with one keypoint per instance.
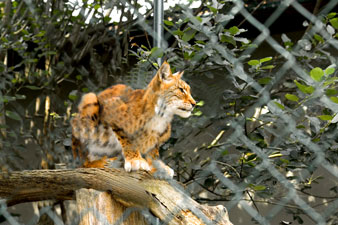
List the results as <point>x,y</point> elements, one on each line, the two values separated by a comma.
<point>133,159</point>
<point>158,168</point>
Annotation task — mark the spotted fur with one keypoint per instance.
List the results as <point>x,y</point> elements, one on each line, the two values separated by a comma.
<point>134,122</point>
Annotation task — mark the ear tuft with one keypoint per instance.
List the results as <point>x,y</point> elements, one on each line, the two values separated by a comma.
<point>179,74</point>
<point>164,73</point>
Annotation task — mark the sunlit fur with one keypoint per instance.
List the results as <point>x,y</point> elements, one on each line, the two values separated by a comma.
<point>140,119</point>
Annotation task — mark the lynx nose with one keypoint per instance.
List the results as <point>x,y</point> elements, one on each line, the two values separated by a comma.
<point>193,102</point>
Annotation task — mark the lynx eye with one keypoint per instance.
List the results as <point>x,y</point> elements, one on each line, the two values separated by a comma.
<point>181,89</point>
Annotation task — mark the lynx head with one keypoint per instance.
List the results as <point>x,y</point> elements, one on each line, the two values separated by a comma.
<point>174,93</point>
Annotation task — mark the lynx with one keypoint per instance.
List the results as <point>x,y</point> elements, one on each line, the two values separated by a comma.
<point>132,122</point>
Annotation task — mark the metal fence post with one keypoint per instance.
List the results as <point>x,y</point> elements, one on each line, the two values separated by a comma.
<point>158,28</point>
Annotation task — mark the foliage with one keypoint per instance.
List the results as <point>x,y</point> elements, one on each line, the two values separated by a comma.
<point>281,112</point>
<point>50,53</point>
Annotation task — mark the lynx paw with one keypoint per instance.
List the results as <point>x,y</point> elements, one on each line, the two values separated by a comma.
<point>161,171</point>
<point>136,164</point>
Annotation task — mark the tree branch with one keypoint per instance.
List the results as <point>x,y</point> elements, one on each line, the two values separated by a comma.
<point>165,199</point>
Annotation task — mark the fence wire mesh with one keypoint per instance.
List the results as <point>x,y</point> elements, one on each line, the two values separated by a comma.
<point>263,139</point>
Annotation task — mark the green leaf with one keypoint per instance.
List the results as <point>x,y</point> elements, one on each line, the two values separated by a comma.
<point>41,33</point>
<point>97,6</point>
<point>25,32</point>
<point>253,62</point>
<point>264,80</point>
<point>3,126</point>
<point>334,23</point>
<point>20,96</point>
<point>303,88</point>
<point>233,30</point>
<point>198,113</point>
<point>78,77</point>
<point>247,46</point>
<point>178,32</point>
<point>334,99</point>
<point>212,9</point>
<point>331,15</point>
<point>331,80</point>
<point>316,74</point>
<point>292,97</point>
<point>198,18</point>
<point>267,67</point>
<point>33,87</point>
<point>228,39</point>
<point>288,44</point>
<point>13,115</point>
<point>250,156</point>
<point>32,60</point>
<point>4,39</point>
<point>12,134</point>
<point>200,42</point>
<point>55,115</point>
<point>27,38</point>
<point>225,152</point>
<point>318,38</point>
<point>186,55</point>
<point>285,161</point>
<point>168,23</point>
<point>85,90</point>
<point>258,187</point>
<point>325,117</point>
<point>72,97</point>
<point>330,92</point>
<point>156,52</point>
<point>200,103</point>
<point>6,98</point>
<point>329,70</point>
<point>50,52</point>
<point>266,59</point>
<point>144,47</point>
<point>309,89</point>
<point>3,99</point>
<point>188,35</point>
<point>300,127</point>
<point>282,107</point>
<point>106,19</point>
<point>15,4</point>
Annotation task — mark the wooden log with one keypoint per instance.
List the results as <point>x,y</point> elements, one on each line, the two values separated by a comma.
<point>164,199</point>
<point>99,208</point>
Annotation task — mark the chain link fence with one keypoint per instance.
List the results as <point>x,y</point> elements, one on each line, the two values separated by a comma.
<point>263,139</point>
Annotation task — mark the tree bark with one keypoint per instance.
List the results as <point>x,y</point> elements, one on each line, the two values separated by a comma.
<point>164,199</point>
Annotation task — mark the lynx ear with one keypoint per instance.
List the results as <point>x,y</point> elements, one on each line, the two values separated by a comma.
<point>179,74</point>
<point>164,73</point>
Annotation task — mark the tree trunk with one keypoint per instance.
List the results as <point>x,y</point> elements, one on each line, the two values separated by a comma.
<point>99,208</point>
